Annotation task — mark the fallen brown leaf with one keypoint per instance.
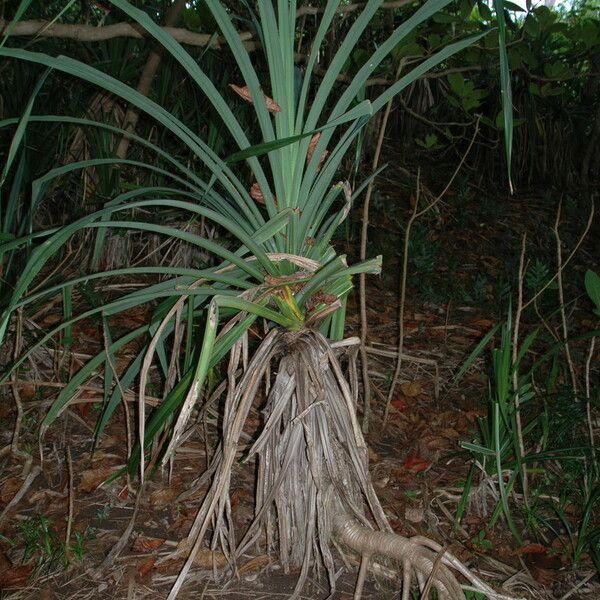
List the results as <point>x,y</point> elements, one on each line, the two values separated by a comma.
<point>170,566</point>
<point>204,559</point>
<point>414,515</point>
<point>9,488</point>
<point>27,391</point>
<point>436,442</point>
<point>163,496</point>
<point>400,404</point>
<point>482,323</point>
<point>449,433</point>
<point>51,319</point>
<point>207,559</point>
<point>5,562</point>
<point>91,479</point>
<point>15,576</point>
<point>411,389</point>
<point>145,568</point>
<point>240,495</point>
<point>255,564</point>
<point>57,506</point>
<point>543,576</point>
<point>145,544</point>
<point>414,464</point>
<point>531,549</point>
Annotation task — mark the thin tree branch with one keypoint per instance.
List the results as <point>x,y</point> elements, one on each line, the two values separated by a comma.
<point>90,33</point>
<point>314,10</point>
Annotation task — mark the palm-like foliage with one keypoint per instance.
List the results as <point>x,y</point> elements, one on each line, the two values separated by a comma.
<point>283,270</point>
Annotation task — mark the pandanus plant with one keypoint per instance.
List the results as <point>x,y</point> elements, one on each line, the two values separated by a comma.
<point>312,475</point>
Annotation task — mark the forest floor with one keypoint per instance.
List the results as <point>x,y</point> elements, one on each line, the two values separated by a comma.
<point>417,466</point>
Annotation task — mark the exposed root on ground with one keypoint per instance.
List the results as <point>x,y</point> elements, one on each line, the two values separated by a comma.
<point>426,559</point>
<point>313,480</point>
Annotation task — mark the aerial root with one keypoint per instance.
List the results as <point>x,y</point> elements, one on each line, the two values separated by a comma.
<point>427,560</point>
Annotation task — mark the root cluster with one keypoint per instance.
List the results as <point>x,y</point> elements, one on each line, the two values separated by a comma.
<point>313,480</point>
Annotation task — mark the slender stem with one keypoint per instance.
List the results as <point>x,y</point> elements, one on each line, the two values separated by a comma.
<point>515,372</point>
<point>363,255</point>
<point>15,387</point>
<point>588,406</point>
<point>71,506</point>
<point>398,367</point>
<point>561,297</point>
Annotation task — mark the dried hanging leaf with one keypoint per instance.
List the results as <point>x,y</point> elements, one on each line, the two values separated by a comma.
<point>257,195</point>
<point>271,105</point>
<point>322,159</point>
<point>244,93</point>
<point>314,140</point>
<point>320,297</point>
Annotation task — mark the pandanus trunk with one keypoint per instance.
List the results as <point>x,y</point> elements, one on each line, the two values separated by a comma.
<point>313,480</point>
